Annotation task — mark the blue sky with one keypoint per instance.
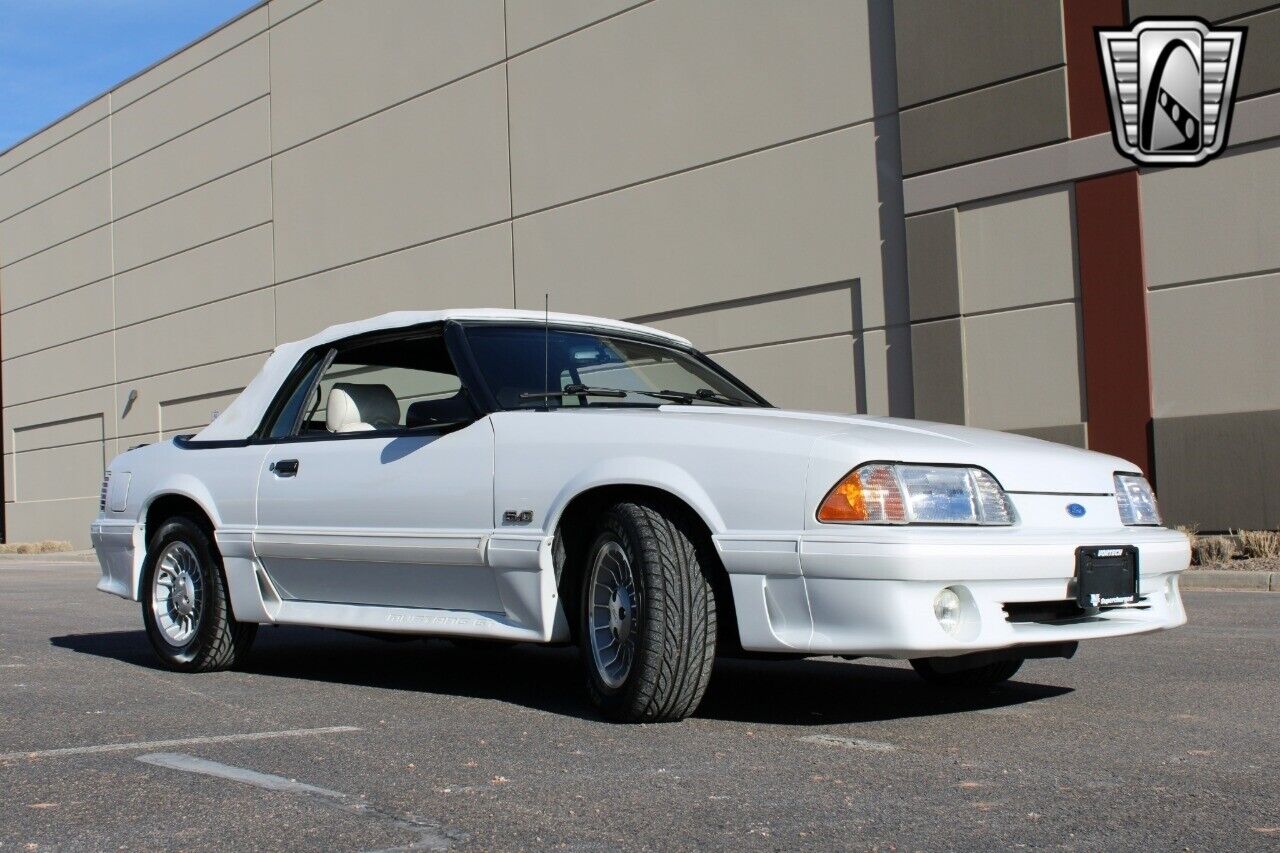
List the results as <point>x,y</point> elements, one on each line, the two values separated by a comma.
<point>57,54</point>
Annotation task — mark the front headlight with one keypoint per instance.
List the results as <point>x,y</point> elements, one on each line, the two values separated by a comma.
<point>882,493</point>
<point>1136,501</point>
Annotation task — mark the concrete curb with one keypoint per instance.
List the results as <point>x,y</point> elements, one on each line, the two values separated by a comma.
<point>1227,579</point>
<point>52,557</point>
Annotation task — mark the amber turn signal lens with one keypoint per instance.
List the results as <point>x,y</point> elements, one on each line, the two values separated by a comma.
<point>870,493</point>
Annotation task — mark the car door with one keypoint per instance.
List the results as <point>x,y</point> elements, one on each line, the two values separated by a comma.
<point>382,494</point>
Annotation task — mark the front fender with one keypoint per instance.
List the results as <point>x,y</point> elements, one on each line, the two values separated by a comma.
<point>650,472</point>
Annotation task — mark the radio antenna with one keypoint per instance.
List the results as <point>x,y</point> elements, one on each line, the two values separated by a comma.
<point>546,351</point>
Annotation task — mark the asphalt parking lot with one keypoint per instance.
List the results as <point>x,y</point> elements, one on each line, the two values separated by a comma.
<point>336,742</point>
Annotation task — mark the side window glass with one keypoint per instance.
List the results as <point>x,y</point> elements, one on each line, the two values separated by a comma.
<point>401,384</point>
<point>289,416</point>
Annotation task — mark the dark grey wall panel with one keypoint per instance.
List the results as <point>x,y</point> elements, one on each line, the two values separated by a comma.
<point>933,270</point>
<point>1261,70</point>
<point>1219,471</point>
<point>1210,10</point>
<point>1075,435</point>
<point>1009,117</point>
<point>937,370</point>
<point>948,46</point>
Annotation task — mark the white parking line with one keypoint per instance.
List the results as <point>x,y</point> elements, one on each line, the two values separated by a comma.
<point>162,744</point>
<point>191,764</point>
<point>431,835</point>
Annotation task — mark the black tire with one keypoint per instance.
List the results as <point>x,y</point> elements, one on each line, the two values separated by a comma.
<point>984,676</point>
<point>219,641</point>
<point>675,629</point>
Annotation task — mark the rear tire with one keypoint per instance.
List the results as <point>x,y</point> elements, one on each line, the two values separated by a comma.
<point>647,615</point>
<point>975,678</point>
<point>184,602</point>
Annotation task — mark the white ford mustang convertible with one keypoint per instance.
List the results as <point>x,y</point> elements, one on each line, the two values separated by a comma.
<point>518,477</point>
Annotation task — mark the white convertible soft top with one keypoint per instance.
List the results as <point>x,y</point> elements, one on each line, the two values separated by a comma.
<point>242,417</point>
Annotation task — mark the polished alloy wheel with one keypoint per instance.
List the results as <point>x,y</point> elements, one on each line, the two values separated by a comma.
<point>615,612</point>
<point>177,593</point>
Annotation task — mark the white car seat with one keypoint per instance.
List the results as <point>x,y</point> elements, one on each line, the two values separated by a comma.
<point>356,407</point>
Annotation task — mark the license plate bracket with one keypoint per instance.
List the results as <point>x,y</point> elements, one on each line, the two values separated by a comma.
<point>1106,576</point>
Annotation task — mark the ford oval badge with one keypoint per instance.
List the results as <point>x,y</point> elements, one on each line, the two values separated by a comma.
<point>1075,510</point>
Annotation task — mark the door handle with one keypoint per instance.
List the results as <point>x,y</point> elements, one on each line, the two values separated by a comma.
<point>284,467</point>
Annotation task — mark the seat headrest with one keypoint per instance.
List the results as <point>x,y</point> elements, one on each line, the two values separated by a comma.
<point>355,407</point>
<point>439,411</point>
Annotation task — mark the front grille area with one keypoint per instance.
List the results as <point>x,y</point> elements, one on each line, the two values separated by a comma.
<point>1043,611</point>
<point>102,498</point>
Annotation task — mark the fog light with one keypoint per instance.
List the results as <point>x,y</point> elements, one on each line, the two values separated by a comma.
<point>946,607</point>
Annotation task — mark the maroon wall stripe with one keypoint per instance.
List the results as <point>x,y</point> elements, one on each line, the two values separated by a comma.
<point>1113,286</point>
<point>1113,307</point>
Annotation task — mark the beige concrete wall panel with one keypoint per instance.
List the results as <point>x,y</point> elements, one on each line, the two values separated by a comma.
<point>813,375</point>
<point>195,62</point>
<point>1213,347</point>
<point>1075,435</point>
<point>470,269</point>
<point>772,318</point>
<point>63,129</point>
<point>996,120</point>
<point>78,314</point>
<point>798,216</point>
<point>64,165</point>
<point>933,267</point>
<point>1023,368</point>
<point>950,47</point>
<point>8,480</point>
<point>194,412</point>
<point>81,429</point>
<point>431,167</point>
<point>216,332</point>
<point>937,364</point>
<point>69,214</point>
<point>207,92</point>
<point>1213,221</point>
<point>344,59</point>
<point>64,519</point>
<point>534,22</point>
<point>279,10</point>
<point>75,366</point>
<point>673,85</point>
<point>1219,471</point>
<point>888,384</point>
<point>216,270</point>
<point>228,205</point>
<point>1018,251</point>
<point>184,395</point>
<point>71,471</point>
<point>223,145</point>
<point>68,408</point>
<point>62,268</point>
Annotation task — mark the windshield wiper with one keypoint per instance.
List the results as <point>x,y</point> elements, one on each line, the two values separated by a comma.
<point>575,390</point>
<point>685,397</point>
<point>702,394</point>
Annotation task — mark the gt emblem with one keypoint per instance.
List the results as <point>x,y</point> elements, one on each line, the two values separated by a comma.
<point>1075,510</point>
<point>1171,83</point>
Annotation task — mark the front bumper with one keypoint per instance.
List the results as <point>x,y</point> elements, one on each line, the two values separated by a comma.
<point>871,591</point>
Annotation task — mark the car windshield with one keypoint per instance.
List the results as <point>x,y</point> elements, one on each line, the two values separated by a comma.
<point>595,370</point>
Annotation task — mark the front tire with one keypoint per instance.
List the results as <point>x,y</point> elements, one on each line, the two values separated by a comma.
<point>944,673</point>
<point>184,602</point>
<point>647,615</point>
